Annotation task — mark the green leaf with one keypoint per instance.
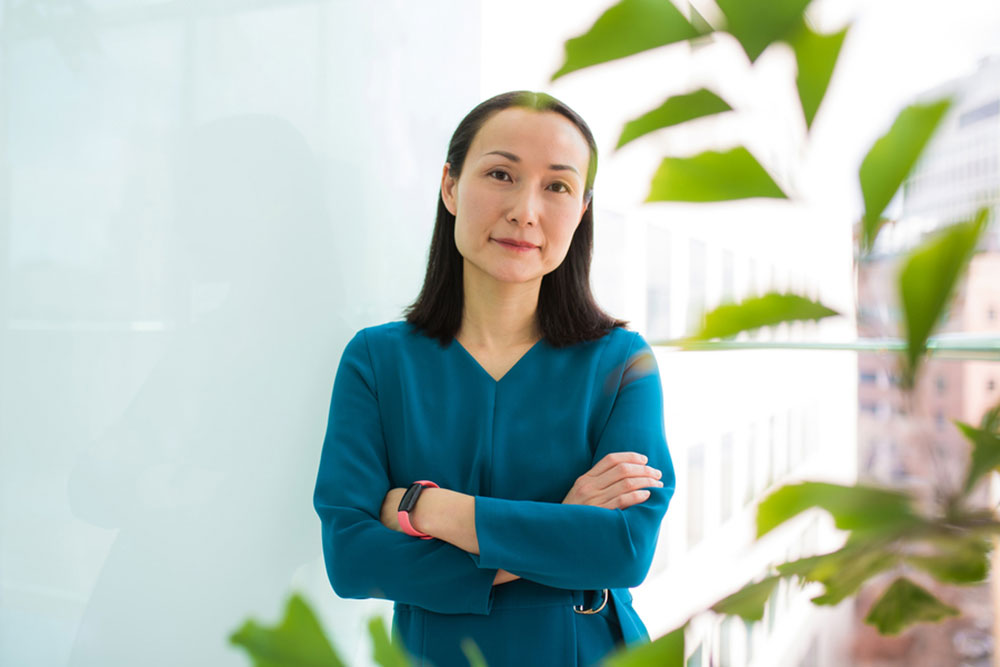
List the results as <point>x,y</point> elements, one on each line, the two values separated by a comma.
<point>472,653</point>
<point>674,111</point>
<point>844,571</point>
<point>627,28</point>
<point>757,24</point>
<point>927,280</point>
<point>890,160</point>
<point>857,508</point>
<point>665,651</point>
<point>985,453</point>
<point>297,641</point>
<point>748,602</point>
<point>730,319</point>
<point>958,559</point>
<point>903,604</point>
<point>712,176</point>
<point>991,420</point>
<point>816,56</point>
<point>384,651</point>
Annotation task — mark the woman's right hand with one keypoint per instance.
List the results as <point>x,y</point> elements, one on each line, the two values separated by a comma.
<point>617,481</point>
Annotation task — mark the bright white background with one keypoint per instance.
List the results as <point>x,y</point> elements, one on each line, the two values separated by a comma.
<point>200,202</point>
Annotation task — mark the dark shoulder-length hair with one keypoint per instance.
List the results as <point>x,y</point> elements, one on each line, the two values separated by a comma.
<point>567,312</point>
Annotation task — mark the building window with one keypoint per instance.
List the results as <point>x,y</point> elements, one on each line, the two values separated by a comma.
<point>695,659</point>
<point>696,495</point>
<point>991,384</point>
<point>725,643</point>
<point>726,478</point>
<point>658,283</point>
<point>867,377</point>
<point>696,285</point>
<point>940,384</point>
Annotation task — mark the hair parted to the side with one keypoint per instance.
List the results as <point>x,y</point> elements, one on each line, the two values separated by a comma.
<point>567,312</point>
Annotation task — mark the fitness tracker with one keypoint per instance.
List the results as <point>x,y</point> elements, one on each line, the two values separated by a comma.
<point>407,504</point>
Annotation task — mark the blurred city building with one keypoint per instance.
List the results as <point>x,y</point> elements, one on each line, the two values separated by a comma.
<point>740,424</point>
<point>912,442</point>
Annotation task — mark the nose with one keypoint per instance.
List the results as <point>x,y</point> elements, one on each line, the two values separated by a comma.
<point>524,207</point>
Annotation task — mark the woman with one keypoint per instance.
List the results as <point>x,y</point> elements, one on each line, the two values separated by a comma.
<point>496,463</point>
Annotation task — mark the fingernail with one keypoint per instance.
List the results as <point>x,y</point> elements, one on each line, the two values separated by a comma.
<point>644,458</point>
<point>659,483</point>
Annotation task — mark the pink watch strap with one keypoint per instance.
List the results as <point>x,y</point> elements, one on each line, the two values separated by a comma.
<point>404,517</point>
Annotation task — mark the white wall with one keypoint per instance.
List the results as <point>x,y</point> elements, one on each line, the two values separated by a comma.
<point>201,203</point>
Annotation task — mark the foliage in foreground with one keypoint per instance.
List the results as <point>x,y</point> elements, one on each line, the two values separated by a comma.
<point>888,531</point>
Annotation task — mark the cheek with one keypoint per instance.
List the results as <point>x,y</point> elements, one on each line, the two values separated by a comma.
<point>559,242</point>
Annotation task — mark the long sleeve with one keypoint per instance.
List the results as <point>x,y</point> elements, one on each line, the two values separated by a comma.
<point>363,557</point>
<point>579,546</point>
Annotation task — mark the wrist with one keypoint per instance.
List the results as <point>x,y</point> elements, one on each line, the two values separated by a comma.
<point>422,516</point>
<point>407,509</point>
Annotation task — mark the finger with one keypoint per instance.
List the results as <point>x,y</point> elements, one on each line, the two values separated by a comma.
<point>626,500</point>
<point>631,485</point>
<point>624,471</point>
<point>614,458</point>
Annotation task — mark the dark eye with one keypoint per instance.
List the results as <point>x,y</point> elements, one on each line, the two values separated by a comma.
<point>503,175</point>
<point>562,186</point>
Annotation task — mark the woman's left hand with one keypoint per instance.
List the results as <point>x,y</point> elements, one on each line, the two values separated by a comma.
<point>390,509</point>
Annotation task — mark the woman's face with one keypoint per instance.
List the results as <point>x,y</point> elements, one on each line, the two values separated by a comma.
<point>519,197</point>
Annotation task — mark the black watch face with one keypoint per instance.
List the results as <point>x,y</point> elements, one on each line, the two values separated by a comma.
<point>409,500</point>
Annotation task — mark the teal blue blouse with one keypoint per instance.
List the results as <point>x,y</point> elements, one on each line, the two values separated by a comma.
<point>404,408</point>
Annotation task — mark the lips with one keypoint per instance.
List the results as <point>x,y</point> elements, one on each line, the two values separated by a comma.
<point>514,243</point>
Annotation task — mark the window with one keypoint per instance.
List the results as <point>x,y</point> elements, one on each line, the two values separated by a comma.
<point>696,495</point>
<point>728,278</point>
<point>658,283</point>
<point>695,660</point>
<point>772,447</point>
<point>751,466</point>
<point>867,377</point>
<point>696,285</point>
<point>991,384</point>
<point>725,643</point>
<point>726,478</point>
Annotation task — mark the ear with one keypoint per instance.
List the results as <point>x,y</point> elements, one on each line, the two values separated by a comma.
<point>449,190</point>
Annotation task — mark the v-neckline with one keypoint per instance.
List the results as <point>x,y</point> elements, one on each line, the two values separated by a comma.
<point>509,370</point>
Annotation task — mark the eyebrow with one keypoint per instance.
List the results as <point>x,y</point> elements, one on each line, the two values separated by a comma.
<point>514,158</point>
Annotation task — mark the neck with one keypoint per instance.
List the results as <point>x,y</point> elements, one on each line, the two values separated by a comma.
<point>495,314</point>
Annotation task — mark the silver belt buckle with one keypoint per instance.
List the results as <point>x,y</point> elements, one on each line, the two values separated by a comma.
<point>578,608</point>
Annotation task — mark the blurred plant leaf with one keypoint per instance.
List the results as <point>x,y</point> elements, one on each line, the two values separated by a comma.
<point>627,28</point>
<point>903,604</point>
<point>730,319</point>
<point>472,653</point>
<point>958,559</point>
<point>748,602</point>
<point>891,158</point>
<point>665,651</point>
<point>927,280</point>
<point>757,24</point>
<point>843,572</point>
<point>384,651</point>
<point>857,508</point>
<point>712,176</point>
<point>816,57</point>
<point>985,452</point>
<point>991,420</point>
<point>674,111</point>
<point>297,641</point>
